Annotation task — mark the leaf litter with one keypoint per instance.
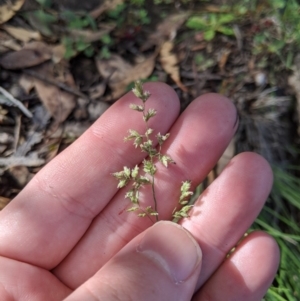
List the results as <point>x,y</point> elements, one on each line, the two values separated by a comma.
<point>117,40</point>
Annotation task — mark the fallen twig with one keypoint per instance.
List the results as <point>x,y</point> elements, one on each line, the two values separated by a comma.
<point>207,76</point>
<point>29,161</point>
<point>55,83</point>
<point>10,99</point>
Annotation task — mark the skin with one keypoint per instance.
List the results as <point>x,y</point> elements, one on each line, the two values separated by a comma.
<point>67,235</point>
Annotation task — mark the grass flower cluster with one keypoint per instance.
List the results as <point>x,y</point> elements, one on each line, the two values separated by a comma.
<point>140,176</point>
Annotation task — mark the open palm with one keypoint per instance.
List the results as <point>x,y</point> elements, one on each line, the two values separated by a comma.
<point>68,234</point>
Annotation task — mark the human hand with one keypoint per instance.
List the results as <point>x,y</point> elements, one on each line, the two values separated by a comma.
<point>68,235</point>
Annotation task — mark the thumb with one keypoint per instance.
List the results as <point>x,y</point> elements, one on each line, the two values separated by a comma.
<point>162,263</point>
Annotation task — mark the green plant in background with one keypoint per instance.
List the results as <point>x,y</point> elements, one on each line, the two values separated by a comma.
<point>134,178</point>
<point>211,24</point>
<point>203,62</point>
<point>106,42</point>
<point>78,21</point>
<point>172,1</point>
<point>279,31</point>
<point>137,2</point>
<point>117,13</point>
<point>42,20</point>
<point>279,218</point>
<point>74,46</point>
<point>142,16</point>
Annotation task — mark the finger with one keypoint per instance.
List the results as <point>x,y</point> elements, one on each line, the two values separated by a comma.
<point>162,263</point>
<point>197,140</point>
<point>55,209</point>
<point>228,207</point>
<point>247,274</point>
<point>21,281</point>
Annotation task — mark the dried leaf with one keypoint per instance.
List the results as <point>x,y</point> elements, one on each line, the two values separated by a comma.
<point>121,73</point>
<point>166,30</point>
<point>9,9</point>
<point>3,202</point>
<point>97,109</point>
<point>97,91</point>
<point>32,54</point>
<point>58,103</point>
<point>169,63</point>
<point>6,138</point>
<point>8,99</point>
<point>30,161</point>
<point>75,129</point>
<point>226,157</point>
<point>20,174</point>
<point>7,43</point>
<point>104,6</point>
<point>223,58</point>
<point>22,34</point>
<point>32,139</point>
<point>89,36</point>
<point>294,82</point>
<point>41,21</point>
<point>26,82</point>
<point>58,53</point>
<point>41,117</point>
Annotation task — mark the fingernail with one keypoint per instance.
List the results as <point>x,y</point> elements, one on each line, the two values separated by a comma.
<point>173,248</point>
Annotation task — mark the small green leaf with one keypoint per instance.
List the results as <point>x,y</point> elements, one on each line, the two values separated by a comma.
<point>228,31</point>
<point>225,18</point>
<point>106,39</point>
<point>89,51</point>
<point>45,3</point>
<point>81,45</point>
<point>197,22</point>
<point>105,53</point>
<point>209,35</point>
<point>116,12</point>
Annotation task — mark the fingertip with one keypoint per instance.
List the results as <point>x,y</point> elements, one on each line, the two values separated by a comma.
<point>257,165</point>
<point>163,91</point>
<point>223,107</point>
<point>247,273</point>
<point>265,249</point>
<point>257,259</point>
